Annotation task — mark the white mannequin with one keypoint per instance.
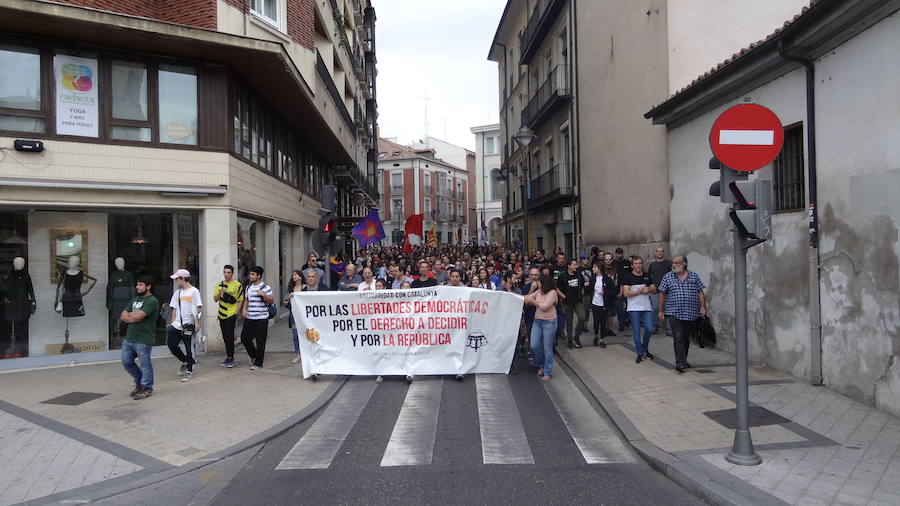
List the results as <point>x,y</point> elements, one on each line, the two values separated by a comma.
<point>18,263</point>
<point>120,263</point>
<point>74,265</point>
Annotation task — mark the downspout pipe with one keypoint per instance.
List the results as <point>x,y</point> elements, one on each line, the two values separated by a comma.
<point>815,306</point>
<point>505,136</point>
<point>576,167</point>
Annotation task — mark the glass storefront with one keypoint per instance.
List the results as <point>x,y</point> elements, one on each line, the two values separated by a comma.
<point>81,268</point>
<point>250,245</point>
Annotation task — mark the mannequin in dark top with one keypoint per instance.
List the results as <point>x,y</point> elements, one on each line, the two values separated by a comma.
<point>18,305</point>
<point>119,292</point>
<point>69,295</point>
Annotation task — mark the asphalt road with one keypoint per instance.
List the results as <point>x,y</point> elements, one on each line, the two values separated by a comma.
<point>382,444</point>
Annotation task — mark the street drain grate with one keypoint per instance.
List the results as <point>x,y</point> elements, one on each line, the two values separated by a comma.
<point>757,416</point>
<point>704,371</point>
<point>74,398</point>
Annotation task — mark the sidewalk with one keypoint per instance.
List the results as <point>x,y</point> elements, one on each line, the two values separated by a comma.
<point>71,427</point>
<point>818,446</point>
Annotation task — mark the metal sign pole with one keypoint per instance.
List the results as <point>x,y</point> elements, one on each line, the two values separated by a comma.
<point>742,452</point>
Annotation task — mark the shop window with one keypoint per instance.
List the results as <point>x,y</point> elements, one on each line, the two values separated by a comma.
<point>177,105</point>
<point>16,286</point>
<point>250,245</point>
<point>20,90</point>
<point>130,119</point>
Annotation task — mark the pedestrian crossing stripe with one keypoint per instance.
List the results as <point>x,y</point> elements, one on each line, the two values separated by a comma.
<point>412,441</point>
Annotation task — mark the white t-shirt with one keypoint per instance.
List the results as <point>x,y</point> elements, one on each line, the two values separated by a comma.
<point>598,292</point>
<point>366,286</point>
<point>186,304</point>
<point>639,302</point>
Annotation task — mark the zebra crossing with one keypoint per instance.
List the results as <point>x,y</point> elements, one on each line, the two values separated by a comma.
<point>503,436</point>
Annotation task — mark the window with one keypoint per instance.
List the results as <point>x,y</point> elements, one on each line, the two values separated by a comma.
<point>495,184</point>
<point>20,90</point>
<point>428,208</point>
<point>130,120</point>
<point>787,169</point>
<point>489,148</point>
<point>267,10</point>
<point>177,105</point>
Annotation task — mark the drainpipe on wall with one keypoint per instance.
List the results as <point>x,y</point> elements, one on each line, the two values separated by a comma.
<point>815,306</point>
<point>573,84</point>
<point>505,138</point>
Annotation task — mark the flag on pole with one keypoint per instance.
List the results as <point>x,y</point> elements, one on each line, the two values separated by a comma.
<point>432,237</point>
<point>414,231</point>
<point>369,230</point>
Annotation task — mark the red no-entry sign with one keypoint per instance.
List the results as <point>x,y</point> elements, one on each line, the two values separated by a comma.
<point>746,137</point>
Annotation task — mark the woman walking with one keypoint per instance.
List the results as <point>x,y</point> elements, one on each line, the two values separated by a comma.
<point>543,332</point>
<point>296,285</point>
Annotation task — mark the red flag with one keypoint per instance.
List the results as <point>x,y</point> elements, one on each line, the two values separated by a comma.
<point>414,226</point>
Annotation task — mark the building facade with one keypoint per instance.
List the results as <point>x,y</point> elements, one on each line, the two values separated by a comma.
<point>822,301</point>
<point>175,134</point>
<point>489,185</point>
<point>460,157</point>
<point>578,75</point>
<point>417,181</point>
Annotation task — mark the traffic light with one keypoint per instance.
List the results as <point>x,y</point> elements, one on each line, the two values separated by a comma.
<point>752,212</point>
<point>326,235</point>
<point>726,177</point>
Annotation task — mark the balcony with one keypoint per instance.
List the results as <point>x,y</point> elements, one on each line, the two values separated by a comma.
<point>396,189</point>
<point>461,195</point>
<point>545,13</point>
<point>554,187</point>
<point>336,95</point>
<point>351,178</point>
<point>554,92</point>
<point>428,189</point>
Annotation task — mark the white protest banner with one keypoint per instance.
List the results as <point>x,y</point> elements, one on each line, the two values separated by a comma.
<point>437,330</point>
<point>76,96</point>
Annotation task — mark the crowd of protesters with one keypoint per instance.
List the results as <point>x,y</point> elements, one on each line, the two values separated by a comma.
<point>561,296</point>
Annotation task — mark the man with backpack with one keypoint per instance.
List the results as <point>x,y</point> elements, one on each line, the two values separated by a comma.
<point>256,309</point>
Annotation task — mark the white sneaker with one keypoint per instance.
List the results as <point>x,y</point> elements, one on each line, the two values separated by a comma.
<point>296,359</point>
<point>253,367</point>
<point>187,377</point>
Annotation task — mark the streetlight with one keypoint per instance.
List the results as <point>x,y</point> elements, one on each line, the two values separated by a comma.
<point>524,137</point>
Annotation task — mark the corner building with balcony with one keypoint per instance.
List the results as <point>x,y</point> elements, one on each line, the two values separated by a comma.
<point>190,134</point>
<point>416,181</point>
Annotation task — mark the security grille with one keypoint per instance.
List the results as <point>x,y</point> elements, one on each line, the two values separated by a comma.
<point>788,169</point>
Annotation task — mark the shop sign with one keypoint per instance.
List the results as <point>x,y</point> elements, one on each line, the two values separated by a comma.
<point>177,131</point>
<point>76,95</point>
<point>82,347</point>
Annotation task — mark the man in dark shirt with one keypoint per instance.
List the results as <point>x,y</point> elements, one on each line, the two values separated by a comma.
<point>141,314</point>
<point>558,268</point>
<point>572,285</point>
<point>659,267</point>
<point>622,266</point>
<point>425,279</point>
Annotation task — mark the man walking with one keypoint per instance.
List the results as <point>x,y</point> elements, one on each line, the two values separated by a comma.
<point>622,266</point>
<point>559,268</point>
<point>186,307</point>
<point>229,296</point>
<point>312,265</point>
<point>572,285</point>
<point>681,301</point>
<point>658,268</point>
<point>141,314</point>
<point>350,280</point>
<point>255,310</point>
<point>424,280</point>
<point>637,286</point>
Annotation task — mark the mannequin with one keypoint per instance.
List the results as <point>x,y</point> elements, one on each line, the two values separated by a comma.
<point>119,292</point>
<point>19,302</point>
<point>69,295</point>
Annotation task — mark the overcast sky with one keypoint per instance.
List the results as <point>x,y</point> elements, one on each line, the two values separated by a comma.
<point>439,49</point>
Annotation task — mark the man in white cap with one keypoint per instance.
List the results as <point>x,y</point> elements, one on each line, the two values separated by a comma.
<point>185,324</point>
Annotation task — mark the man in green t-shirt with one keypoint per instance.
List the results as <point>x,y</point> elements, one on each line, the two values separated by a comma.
<point>141,314</point>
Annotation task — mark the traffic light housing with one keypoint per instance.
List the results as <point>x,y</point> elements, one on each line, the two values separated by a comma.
<point>752,212</point>
<point>326,234</point>
<point>726,177</point>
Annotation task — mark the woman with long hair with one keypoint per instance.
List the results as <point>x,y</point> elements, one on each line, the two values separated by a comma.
<point>297,284</point>
<point>543,332</point>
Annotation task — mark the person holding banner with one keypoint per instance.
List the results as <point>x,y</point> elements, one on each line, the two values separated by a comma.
<point>368,282</point>
<point>543,332</point>
<point>296,285</point>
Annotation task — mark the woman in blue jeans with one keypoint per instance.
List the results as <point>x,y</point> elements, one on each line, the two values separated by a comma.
<point>296,285</point>
<point>543,331</point>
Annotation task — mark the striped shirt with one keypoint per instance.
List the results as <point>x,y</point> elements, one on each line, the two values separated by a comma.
<point>257,307</point>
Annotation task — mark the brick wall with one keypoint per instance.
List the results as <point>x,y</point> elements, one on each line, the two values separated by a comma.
<point>199,13</point>
<point>300,22</point>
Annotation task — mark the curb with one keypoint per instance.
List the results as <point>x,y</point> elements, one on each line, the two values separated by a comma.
<point>694,480</point>
<point>98,491</point>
